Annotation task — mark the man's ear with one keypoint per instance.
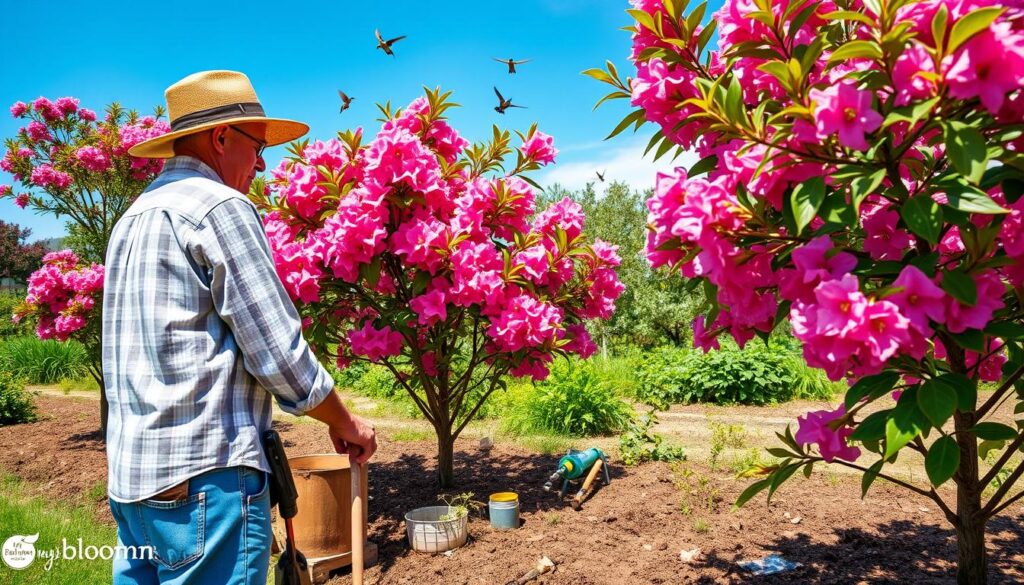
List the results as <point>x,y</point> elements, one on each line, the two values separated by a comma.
<point>219,137</point>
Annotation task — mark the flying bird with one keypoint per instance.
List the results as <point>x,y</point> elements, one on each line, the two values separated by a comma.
<point>504,104</point>
<point>345,101</point>
<point>600,175</point>
<point>511,63</point>
<point>386,45</point>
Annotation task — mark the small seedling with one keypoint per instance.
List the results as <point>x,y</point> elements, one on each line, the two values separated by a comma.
<point>701,526</point>
<point>459,506</point>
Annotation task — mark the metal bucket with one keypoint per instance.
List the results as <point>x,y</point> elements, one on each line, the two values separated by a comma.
<point>427,532</point>
<point>323,523</point>
<point>503,508</point>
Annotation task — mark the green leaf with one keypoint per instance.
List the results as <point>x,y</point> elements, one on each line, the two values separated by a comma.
<point>942,460</point>
<point>871,386</point>
<point>985,446</point>
<point>869,477</point>
<point>960,286</point>
<point>1006,330</point>
<point>971,339</point>
<point>966,149</point>
<point>970,25</point>
<point>780,476</point>
<point>704,165</point>
<point>850,15</point>
<point>631,118</point>
<point>966,390</point>
<point>968,199</point>
<point>751,491</point>
<point>991,431</point>
<point>864,186</point>
<point>937,401</point>
<point>856,49</point>
<point>907,421</point>
<point>924,217</point>
<point>806,198</point>
<point>871,428</point>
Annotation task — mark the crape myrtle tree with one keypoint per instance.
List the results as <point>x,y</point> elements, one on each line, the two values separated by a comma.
<point>68,164</point>
<point>423,253</point>
<point>861,179</point>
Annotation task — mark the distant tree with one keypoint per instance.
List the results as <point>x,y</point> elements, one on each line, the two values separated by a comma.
<point>18,258</point>
<point>652,310</point>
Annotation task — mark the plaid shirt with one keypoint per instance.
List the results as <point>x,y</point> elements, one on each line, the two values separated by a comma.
<point>197,328</point>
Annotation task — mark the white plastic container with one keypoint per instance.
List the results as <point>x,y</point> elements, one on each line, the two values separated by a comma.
<point>428,533</point>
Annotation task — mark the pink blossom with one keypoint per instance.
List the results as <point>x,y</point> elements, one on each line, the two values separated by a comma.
<point>539,147</point>
<point>298,270</point>
<point>524,322</point>
<point>919,298</point>
<point>580,342</point>
<point>46,176</point>
<point>303,191</point>
<point>842,108</point>
<point>815,428</point>
<point>93,159</point>
<point>87,115</point>
<point>961,317</point>
<point>988,66</point>
<point>46,109</point>
<point>702,338</point>
<point>815,262</point>
<point>912,75</point>
<point>422,243</point>
<point>431,305</point>
<point>884,241</point>
<point>534,365</point>
<point>18,109</point>
<point>38,132</point>
<point>375,344</point>
<point>67,105</point>
<point>21,200</point>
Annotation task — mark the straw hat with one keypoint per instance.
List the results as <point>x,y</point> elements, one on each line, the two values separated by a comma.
<point>211,98</point>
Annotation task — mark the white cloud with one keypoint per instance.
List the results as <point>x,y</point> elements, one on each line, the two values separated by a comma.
<point>625,163</point>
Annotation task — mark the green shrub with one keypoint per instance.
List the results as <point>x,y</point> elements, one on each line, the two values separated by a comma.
<point>574,401</point>
<point>758,374</point>
<point>16,404</point>
<point>8,328</point>
<point>347,378</point>
<point>640,443</point>
<point>43,362</point>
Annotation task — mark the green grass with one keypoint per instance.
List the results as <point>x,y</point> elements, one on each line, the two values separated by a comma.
<point>20,514</point>
<point>43,362</point>
<point>411,435</point>
<point>84,384</point>
<point>545,444</point>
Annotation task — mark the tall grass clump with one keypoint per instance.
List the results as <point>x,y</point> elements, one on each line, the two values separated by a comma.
<point>16,404</point>
<point>575,400</point>
<point>43,362</point>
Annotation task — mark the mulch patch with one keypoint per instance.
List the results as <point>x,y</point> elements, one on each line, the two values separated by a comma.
<point>631,531</point>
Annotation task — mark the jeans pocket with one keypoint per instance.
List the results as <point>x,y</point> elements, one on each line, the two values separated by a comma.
<point>255,485</point>
<point>176,530</point>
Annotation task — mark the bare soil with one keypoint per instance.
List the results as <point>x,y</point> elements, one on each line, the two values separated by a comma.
<point>631,531</point>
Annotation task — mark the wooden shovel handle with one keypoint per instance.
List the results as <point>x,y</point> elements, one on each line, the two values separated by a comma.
<point>358,526</point>
<point>594,471</point>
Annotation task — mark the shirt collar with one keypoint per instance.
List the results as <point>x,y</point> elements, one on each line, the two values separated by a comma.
<point>187,165</point>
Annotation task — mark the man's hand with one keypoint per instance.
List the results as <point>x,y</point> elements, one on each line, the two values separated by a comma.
<point>349,433</point>
<point>358,439</point>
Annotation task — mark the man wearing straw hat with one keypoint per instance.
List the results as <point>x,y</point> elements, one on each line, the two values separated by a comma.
<point>198,336</point>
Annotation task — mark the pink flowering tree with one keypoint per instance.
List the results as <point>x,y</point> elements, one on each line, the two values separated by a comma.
<point>423,253</point>
<point>68,164</point>
<point>860,178</point>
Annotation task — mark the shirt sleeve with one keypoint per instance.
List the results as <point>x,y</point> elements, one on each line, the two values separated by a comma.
<point>249,297</point>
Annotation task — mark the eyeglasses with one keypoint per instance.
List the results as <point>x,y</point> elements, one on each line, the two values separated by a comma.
<point>261,144</point>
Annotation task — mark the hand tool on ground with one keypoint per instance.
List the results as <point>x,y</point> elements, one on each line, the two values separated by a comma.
<point>544,565</point>
<point>574,465</point>
<point>291,568</point>
<point>356,472</point>
<point>581,495</point>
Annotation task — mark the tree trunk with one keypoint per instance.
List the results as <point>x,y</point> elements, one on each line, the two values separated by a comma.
<point>445,458</point>
<point>96,371</point>
<point>972,559</point>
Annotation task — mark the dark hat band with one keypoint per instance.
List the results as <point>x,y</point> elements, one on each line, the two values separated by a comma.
<point>227,112</point>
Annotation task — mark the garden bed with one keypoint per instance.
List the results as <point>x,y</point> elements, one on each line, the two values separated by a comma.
<point>629,532</point>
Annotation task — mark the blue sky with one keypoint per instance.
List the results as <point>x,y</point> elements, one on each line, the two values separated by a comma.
<point>298,54</point>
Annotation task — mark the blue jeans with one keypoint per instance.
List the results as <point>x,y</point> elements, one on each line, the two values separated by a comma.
<point>220,533</point>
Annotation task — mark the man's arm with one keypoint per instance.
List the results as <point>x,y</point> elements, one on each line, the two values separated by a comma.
<point>349,433</point>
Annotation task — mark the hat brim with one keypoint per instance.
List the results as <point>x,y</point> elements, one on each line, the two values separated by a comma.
<point>279,131</point>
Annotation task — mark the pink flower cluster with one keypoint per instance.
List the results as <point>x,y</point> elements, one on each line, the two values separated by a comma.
<point>62,295</point>
<point>93,159</point>
<point>396,217</point>
<point>816,428</point>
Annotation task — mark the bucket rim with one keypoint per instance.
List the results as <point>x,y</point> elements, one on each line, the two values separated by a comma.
<point>504,497</point>
<point>429,509</point>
